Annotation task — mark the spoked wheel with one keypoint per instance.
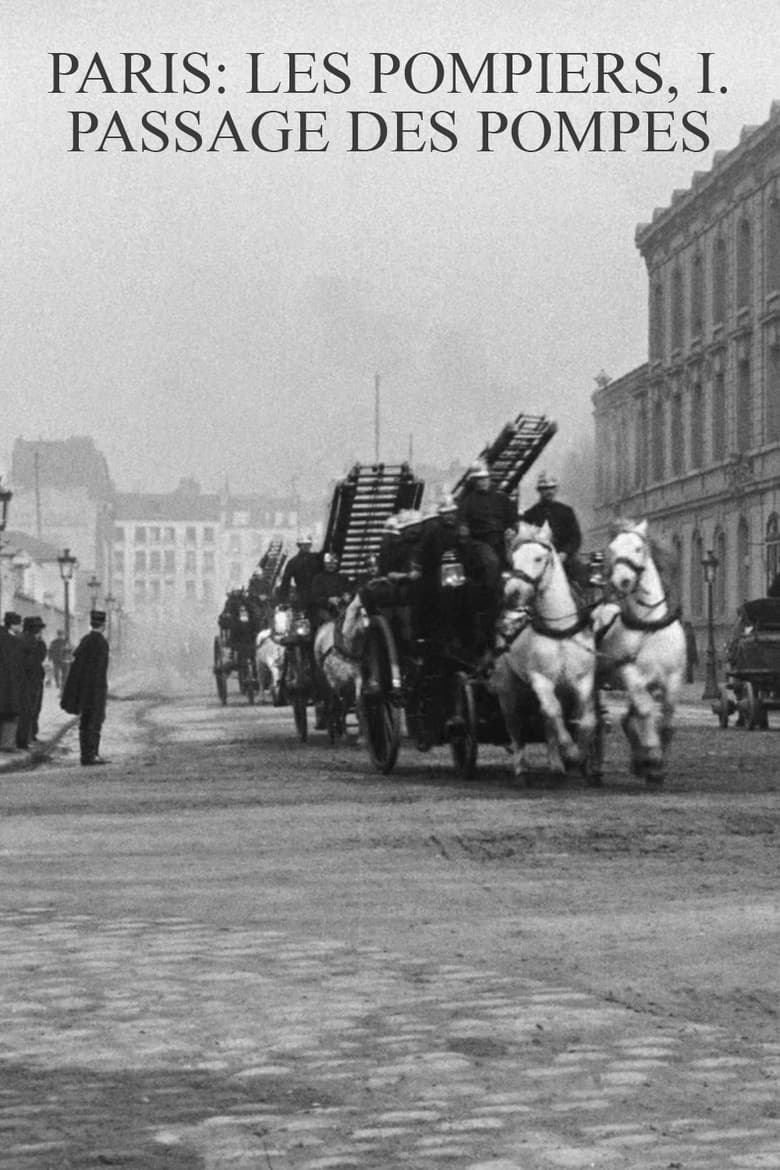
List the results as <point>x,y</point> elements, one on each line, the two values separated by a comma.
<point>298,688</point>
<point>723,706</point>
<point>751,707</point>
<point>219,672</point>
<point>463,728</point>
<point>381,713</point>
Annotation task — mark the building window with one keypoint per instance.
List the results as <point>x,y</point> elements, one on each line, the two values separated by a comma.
<point>119,561</point>
<point>140,560</point>
<point>640,443</point>
<point>773,392</point>
<point>208,562</point>
<point>719,417</point>
<point>190,534</point>
<point>208,590</point>
<point>744,407</point>
<point>659,461</point>
<point>697,295</point>
<point>154,590</point>
<point>678,435</point>
<point>154,561</point>
<point>119,534</point>
<point>697,426</point>
<point>139,590</point>
<point>168,586</point>
<point>234,544</point>
<point>773,246</point>
<point>719,282</point>
<point>170,535</point>
<point>154,535</point>
<point>208,535</point>
<point>697,575</point>
<point>719,545</point>
<point>190,564</point>
<point>657,339</point>
<point>189,589</point>
<point>678,309</point>
<point>772,548</point>
<point>743,559</point>
<point>169,560</point>
<point>744,263</point>
<point>140,536</point>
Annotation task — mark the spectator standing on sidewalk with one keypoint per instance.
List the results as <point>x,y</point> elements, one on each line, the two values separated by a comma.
<point>12,680</point>
<point>34,650</point>
<point>86,688</point>
<point>692,651</point>
<point>56,657</point>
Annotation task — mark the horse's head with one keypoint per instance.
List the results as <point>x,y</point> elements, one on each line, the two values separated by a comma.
<point>531,558</point>
<point>355,624</point>
<point>627,558</point>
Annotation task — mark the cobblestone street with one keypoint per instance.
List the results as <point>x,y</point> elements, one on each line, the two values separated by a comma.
<point>246,953</point>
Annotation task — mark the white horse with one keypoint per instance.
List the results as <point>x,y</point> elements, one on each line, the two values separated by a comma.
<point>337,648</point>
<point>554,654</point>
<point>641,640</point>
<point>269,654</point>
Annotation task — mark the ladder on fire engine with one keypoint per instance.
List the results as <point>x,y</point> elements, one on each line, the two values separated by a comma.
<point>361,503</point>
<point>271,563</point>
<point>518,445</point>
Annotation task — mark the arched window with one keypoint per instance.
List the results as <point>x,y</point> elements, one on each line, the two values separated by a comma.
<point>658,439</point>
<point>678,434</point>
<point>773,245</point>
<point>678,309</point>
<point>743,559</point>
<point>773,386</point>
<point>744,263</point>
<point>675,572</point>
<point>640,444</point>
<point>657,337</point>
<point>697,295</point>
<point>719,548</point>
<point>744,405</point>
<point>719,281</point>
<point>697,575</point>
<point>772,552</point>
<point>697,426</point>
<point>719,416</point>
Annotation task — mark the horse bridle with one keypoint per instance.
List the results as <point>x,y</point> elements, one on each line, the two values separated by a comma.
<point>638,570</point>
<point>521,575</point>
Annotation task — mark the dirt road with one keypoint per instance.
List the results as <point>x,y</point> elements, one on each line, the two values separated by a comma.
<point>228,949</point>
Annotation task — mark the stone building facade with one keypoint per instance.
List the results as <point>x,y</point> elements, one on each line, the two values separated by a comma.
<point>691,438</point>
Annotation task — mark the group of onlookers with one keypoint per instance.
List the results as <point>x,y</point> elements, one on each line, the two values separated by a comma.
<point>23,657</point>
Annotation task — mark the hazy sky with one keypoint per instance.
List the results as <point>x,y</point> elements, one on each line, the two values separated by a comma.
<point>224,313</point>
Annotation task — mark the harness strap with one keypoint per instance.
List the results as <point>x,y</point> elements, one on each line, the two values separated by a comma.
<point>538,626</point>
<point>646,627</point>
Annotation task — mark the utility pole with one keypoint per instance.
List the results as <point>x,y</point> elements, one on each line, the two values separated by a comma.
<point>38,527</point>
<point>376,418</point>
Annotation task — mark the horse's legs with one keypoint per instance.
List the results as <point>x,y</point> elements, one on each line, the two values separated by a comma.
<point>640,722</point>
<point>508,694</point>
<point>559,743</point>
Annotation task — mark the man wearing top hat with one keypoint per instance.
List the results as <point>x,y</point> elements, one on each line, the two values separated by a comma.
<point>86,688</point>
<point>12,680</point>
<point>34,656</point>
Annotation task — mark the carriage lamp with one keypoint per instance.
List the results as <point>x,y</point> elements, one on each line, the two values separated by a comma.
<point>710,566</point>
<point>93,585</point>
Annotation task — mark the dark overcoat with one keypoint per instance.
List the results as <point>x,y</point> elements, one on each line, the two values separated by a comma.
<point>13,683</point>
<point>86,687</point>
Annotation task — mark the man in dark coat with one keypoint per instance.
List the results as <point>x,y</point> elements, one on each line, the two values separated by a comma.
<point>300,571</point>
<point>56,656</point>
<point>328,589</point>
<point>485,516</point>
<point>86,688</point>
<point>34,656</point>
<point>562,519</point>
<point>12,680</point>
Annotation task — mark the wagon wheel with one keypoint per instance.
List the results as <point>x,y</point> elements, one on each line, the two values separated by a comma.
<point>723,706</point>
<point>751,706</point>
<point>593,763</point>
<point>381,682</point>
<point>463,728</point>
<point>299,696</point>
<point>219,672</point>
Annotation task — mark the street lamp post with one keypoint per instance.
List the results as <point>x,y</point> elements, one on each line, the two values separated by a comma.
<point>93,585</point>
<point>710,566</point>
<point>110,601</point>
<point>67,565</point>
<point>5,498</point>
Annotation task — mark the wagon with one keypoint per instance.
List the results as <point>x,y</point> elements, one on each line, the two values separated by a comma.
<point>428,655</point>
<point>234,648</point>
<point>752,685</point>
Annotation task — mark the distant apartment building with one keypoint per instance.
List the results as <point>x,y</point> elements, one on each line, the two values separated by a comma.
<point>691,438</point>
<point>63,495</point>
